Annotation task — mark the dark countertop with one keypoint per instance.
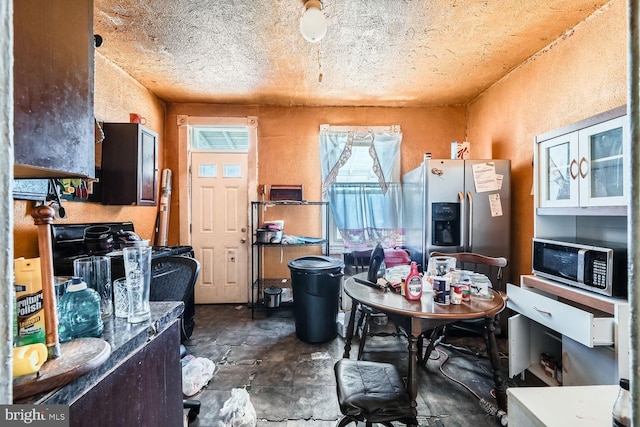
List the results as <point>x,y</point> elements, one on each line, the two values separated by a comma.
<point>124,338</point>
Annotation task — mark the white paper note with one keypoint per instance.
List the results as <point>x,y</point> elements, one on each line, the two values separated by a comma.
<point>484,177</point>
<point>495,204</point>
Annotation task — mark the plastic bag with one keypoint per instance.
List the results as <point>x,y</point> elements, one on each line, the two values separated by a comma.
<point>196,374</point>
<point>238,411</point>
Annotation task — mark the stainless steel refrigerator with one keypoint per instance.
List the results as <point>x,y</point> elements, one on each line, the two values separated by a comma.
<point>457,206</point>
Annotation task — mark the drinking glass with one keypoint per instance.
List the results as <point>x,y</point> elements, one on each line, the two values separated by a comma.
<point>120,298</point>
<point>96,273</point>
<point>137,266</point>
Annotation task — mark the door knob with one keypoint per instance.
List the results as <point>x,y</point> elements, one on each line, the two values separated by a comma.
<point>243,240</point>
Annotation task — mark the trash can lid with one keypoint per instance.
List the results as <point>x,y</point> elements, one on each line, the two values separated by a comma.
<point>316,264</point>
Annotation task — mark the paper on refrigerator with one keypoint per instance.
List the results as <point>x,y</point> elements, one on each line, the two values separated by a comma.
<point>484,177</point>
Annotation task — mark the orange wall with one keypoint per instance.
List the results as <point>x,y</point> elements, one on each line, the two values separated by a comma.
<point>288,150</point>
<point>116,95</point>
<point>578,76</point>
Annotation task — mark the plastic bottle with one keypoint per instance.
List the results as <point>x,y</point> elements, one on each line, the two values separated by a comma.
<point>413,283</point>
<point>79,312</point>
<point>16,289</point>
<point>31,326</point>
<point>621,408</point>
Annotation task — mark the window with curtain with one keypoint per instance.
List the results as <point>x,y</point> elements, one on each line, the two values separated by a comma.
<point>361,180</point>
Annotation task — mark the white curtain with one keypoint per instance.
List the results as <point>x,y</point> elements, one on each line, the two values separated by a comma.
<point>365,213</point>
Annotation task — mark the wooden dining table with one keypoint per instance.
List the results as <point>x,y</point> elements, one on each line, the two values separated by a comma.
<point>426,314</point>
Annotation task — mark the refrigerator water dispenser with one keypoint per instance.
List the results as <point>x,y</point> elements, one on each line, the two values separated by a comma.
<point>445,224</point>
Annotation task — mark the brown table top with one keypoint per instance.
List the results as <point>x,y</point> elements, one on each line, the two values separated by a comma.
<point>426,308</point>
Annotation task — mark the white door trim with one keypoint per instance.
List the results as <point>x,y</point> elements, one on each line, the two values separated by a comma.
<point>184,183</point>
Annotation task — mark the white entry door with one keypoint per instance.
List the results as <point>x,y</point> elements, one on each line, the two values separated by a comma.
<point>219,221</point>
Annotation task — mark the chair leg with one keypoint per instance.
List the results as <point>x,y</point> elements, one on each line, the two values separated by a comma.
<point>365,332</point>
<point>346,420</point>
<point>360,318</point>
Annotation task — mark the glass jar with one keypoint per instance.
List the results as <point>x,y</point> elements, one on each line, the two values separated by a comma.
<point>621,408</point>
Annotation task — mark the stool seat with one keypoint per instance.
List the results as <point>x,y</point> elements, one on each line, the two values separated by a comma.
<point>372,392</point>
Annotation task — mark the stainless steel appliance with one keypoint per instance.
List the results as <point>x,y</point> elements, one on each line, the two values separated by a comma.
<point>457,206</point>
<point>593,265</point>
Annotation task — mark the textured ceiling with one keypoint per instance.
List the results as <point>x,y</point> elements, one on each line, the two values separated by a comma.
<point>376,52</point>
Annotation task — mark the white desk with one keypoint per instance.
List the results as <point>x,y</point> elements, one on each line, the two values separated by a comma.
<point>577,406</point>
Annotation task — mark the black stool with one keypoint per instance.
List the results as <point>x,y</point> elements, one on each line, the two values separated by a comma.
<point>372,392</point>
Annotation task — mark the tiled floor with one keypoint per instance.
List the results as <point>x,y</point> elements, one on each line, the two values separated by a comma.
<point>291,383</point>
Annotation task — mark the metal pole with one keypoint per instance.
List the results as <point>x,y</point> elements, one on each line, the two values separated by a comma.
<point>633,217</point>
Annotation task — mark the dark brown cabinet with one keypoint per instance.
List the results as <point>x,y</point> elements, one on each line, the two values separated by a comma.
<point>144,389</point>
<point>129,165</point>
<point>53,88</point>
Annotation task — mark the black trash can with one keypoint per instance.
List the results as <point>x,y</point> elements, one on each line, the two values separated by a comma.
<point>316,290</point>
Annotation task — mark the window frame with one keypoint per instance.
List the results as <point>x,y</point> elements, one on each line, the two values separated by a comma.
<point>336,242</point>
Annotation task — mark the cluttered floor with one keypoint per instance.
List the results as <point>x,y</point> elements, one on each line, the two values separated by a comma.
<point>291,383</point>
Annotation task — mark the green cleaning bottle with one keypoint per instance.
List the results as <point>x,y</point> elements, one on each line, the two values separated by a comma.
<point>31,323</point>
<point>16,288</point>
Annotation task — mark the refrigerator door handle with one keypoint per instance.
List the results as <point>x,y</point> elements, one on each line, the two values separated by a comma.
<point>462,219</point>
<point>470,242</point>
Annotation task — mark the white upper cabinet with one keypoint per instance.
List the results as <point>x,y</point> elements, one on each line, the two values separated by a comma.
<point>603,176</point>
<point>585,167</point>
<point>558,171</point>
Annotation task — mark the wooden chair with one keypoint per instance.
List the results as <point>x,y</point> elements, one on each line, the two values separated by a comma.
<point>489,266</point>
<point>361,260</point>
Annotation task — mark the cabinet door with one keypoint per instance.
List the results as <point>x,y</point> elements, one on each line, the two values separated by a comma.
<point>558,171</point>
<point>587,366</point>
<point>53,88</point>
<point>144,389</point>
<point>147,168</point>
<point>129,165</point>
<point>527,341</point>
<point>603,176</point>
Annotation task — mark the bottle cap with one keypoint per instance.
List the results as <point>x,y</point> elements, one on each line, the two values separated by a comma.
<point>76,284</point>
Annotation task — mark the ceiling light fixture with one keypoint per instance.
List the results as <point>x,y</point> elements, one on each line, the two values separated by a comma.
<point>313,24</point>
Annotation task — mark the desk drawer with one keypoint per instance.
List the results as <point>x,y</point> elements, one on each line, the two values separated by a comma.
<point>577,324</point>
